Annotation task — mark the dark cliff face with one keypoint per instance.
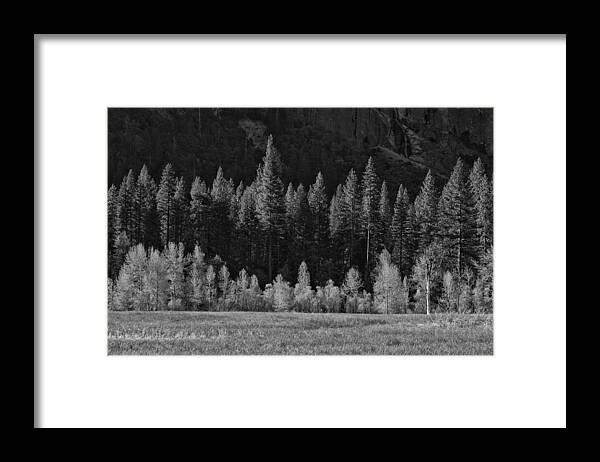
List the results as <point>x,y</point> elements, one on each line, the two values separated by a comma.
<point>405,143</point>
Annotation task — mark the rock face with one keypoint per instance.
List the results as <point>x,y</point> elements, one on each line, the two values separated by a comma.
<point>404,142</point>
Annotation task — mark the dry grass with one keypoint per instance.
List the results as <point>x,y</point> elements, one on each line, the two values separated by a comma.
<point>237,333</point>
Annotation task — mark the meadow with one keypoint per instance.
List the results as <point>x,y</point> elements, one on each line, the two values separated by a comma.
<point>247,333</point>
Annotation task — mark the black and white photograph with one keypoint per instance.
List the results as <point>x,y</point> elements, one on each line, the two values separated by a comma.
<point>299,231</point>
<point>307,231</point>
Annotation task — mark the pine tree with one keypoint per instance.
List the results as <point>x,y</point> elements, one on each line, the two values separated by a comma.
<point>125,206</point>
<point>200,206</point>
<point>247,224</point>
<point>301,227</point>
<point>481,192</point>
<point>164,205</point>
<point>317,201</point>
<point>350,214</point>
<point>425,212</point>
<point>456,222</point>
<point>384,217</point>
<point>269,204</point>
<point>369,214</point>
<point>144,204</point>
<point>221,193</point>
<point>400,231</point>
<point>180,211</point>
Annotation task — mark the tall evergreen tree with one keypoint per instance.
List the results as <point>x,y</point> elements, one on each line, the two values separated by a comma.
<point>199,210</point>
<point>144,205</point>
<point>125,206</point>
<point>400,231</point>
<point>456,222</point>
<point>247,224</point>
<point>381,236</point>
<point>269,206</point>
<point>165,206</point>
<point>425,212</point>
<point>369,214</point>
<point>350,215</point>
<point>180,211</point>
<point>317,201</point>
<point>481,191</point>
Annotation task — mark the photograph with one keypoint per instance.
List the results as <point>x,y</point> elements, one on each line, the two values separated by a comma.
<point>300,231</point>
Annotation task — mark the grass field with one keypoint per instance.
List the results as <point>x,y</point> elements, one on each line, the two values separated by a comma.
<point>237,333</point>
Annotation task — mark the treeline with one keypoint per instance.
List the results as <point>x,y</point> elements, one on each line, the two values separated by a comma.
<point>433,253</point>
<point>171,280</point>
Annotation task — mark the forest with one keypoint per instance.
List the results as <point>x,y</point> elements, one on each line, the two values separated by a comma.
<point>264,246</point>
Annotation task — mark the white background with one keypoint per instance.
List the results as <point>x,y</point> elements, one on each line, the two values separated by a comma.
<point>522,384</point>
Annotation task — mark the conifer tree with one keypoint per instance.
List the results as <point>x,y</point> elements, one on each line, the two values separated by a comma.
<point>300,236</point>
<point>381,235</point>
<point>481,192</point>
<point>200,206</point>
<point>144,204</point>
<point>248,224</point>
<point>125,205</point>
<point>369,213</point>
<point>456,222</point>
<point>269,204</point>
<point>350,214</point>
<point>180,211</point>
<point>164,204</point>
<point>112,230</point>
<point>401,231</point>
<point>425,212</point>
<point>317,201</point>
<point>221,194</point>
